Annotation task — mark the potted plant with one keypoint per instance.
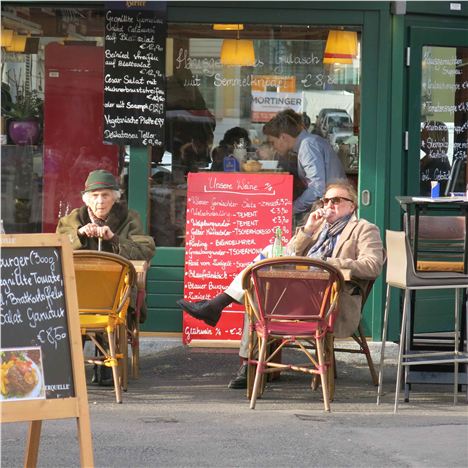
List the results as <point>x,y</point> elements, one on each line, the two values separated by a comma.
<point>25,116</point>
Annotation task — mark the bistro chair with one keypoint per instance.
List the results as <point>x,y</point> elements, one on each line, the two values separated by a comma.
<point>133,319</point>
<point>291,300</point>
<point>103,283</point>
<point>402,274</point>
<point>360,338</point>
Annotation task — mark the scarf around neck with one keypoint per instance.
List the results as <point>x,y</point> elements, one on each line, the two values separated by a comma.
<point>327,238</point>
<point>95,219</point>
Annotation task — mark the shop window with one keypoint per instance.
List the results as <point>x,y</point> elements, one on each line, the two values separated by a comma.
<point>206,98</point>
<point>444,132</point>
<point>59,66</point>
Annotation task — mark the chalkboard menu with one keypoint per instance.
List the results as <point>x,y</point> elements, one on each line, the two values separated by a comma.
<point>34,326</point>
<point>134,73</point>
<point>231,217</point>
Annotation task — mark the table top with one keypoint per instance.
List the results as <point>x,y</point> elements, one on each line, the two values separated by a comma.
<point>406,200</point>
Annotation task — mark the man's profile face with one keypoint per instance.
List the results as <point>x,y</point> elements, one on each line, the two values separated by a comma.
<point>101,202</point>
<point>281,144</point>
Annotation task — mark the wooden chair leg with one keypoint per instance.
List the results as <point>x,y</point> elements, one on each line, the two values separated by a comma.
<point>123,351</point>
<point>323,373</point>
<point>259,372</point>
<point>115,368</point>
<point>365,348</point>
<point>330,357</point>
<point>136,350</point>
<point>133,335</point>
<point>251,368</point>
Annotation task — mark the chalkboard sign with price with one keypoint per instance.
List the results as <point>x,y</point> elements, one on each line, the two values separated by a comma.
<point>33,312</point>
<point>42,369</point>
<point>134,73</point>
<point>231,217</point>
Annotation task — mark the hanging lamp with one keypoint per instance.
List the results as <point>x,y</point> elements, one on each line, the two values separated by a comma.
<point>238,51</point>
<point>341,47</point>
<point>228,27</point>
<point>7,37</point>
<point>18,43</point>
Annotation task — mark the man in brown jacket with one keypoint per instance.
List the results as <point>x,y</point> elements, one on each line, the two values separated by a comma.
<point>332,233</point>
<point>104,217</point>
<point>105,220</point>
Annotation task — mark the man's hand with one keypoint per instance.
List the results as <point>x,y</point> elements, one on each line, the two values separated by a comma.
<point>93,230</point>
<point>314,220</point>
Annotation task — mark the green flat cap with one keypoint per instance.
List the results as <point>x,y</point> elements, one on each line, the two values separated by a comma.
<point>100,180</point>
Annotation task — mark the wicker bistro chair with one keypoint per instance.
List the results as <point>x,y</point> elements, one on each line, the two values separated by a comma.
<point>103,283</point>
<point>291,300</point>
<point>360,338</point>
<point>402,274</point>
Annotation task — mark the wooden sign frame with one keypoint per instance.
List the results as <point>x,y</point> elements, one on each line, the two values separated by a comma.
<point>36,411</point>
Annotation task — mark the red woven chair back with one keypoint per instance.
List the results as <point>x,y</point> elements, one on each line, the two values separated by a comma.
<point>296,289</point>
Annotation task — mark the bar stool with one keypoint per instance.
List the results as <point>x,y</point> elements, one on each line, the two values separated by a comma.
<point>401,274</point>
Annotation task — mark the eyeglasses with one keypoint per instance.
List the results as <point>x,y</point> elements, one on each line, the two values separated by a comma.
<point>334,200</point>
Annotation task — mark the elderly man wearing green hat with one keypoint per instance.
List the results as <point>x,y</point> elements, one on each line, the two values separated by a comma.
<point>105,219</point>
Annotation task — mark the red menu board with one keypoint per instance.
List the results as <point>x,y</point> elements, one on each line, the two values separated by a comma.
<point>231,217</point>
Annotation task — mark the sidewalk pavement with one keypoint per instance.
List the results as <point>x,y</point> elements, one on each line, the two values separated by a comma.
<point>180,413</point>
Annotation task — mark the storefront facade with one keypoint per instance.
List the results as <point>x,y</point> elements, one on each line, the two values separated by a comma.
<point>409,68</point>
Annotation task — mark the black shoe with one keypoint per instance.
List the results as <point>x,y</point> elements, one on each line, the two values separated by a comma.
<point>202,310</point>
<point>95,377</point>
<point>240,380</point>
<point>106,378</point>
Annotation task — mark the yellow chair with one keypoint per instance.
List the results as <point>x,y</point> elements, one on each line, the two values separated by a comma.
<point>103,283</point>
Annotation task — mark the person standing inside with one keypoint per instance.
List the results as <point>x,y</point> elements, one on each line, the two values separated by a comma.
<point>317,163</point>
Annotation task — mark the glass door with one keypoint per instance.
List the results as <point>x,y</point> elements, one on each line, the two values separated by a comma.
<point>437,111</point>
<point>437,138</point>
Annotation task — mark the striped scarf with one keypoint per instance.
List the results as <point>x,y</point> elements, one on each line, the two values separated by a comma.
<point>326,241</point>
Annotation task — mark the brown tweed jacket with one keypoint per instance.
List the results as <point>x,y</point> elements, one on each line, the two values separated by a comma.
<point>358,248</point>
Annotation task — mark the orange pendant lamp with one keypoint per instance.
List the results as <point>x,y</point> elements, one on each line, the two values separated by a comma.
<point>341,47</point>
<point>7,37</point>
<point>18,43</point>
<point>238,52</point>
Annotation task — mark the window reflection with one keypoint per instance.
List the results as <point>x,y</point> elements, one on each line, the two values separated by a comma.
<point>444,119</point>
<point>207,101</point>
<point>62,64</point>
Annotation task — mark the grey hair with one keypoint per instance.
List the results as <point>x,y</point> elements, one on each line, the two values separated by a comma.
<point>116,194</point>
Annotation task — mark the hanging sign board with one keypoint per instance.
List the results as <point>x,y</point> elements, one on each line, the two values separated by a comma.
<point>231,217</point>
<point>42,370</point>
<point>265,105</point>
<point>134,73</point>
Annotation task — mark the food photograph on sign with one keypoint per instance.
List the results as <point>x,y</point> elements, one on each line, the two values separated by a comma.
<point>22,375</point>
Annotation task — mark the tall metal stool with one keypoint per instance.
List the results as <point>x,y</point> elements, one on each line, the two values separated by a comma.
<point>401,274</point>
